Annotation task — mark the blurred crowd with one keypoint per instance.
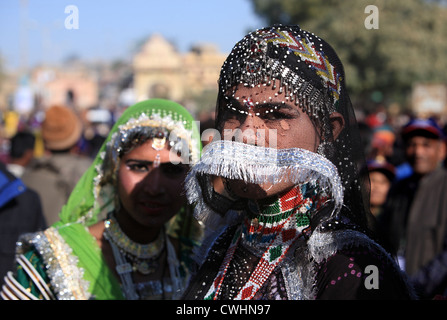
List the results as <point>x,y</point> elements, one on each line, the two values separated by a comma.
<point>406,167</point>
<point>43,156</point>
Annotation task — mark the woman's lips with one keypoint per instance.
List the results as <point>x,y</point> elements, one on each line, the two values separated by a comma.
<point>152,206</point>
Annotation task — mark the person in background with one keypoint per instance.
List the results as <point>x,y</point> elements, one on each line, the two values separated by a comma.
<point>54,175</point>
<point>382,143</point>
<point>20,212</point>
<point>381,176</point>
<point>126,231</point>
<point>414,218</point>
<point>21,152</point>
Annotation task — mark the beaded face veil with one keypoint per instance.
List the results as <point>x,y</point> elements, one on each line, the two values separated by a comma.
<point>303,68</point>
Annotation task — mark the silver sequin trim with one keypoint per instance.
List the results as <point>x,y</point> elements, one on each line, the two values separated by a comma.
<point>62,266</point>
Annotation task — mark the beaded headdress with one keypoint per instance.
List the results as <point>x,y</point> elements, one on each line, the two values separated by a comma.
<point>287,58</point>
<point>158,124</point>
<point>306,69</point>
<point>292,61</point>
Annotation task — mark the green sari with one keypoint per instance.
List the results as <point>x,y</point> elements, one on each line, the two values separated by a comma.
<point>64,261</point>
<point>69,262</point>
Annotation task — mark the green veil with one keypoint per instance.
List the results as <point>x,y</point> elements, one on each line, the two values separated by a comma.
<point>94,195</point>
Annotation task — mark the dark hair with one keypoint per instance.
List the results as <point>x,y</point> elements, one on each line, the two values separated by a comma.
<point>20,143</point>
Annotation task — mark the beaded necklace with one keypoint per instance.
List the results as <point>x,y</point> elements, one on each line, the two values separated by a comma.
<point>144,257</point>
<point>145,262</point>
<point>274,230</point>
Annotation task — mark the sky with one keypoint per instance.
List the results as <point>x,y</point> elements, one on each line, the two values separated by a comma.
<point>35,31</point>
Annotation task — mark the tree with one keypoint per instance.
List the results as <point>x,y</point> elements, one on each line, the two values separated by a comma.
<point>409,45</point>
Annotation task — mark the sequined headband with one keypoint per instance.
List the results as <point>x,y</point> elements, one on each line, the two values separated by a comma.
<point>286,58</point>
<point>180,139</point>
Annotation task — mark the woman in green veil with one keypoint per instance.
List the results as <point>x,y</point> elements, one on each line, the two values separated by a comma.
<point>126,231</point>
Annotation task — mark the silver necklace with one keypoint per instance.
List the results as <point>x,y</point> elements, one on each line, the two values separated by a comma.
<point>125,269</point>
<point>144,257</point>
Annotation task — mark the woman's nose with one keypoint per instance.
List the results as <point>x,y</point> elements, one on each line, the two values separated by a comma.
<point>153,183</point>
<point>251,130</point>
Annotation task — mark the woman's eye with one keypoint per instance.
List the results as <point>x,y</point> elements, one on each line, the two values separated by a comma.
<point>276,115</point>
<point>273,115</point>
<point>137,167</point>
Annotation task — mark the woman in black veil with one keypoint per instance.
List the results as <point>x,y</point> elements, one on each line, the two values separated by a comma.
<point>279,190</point>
